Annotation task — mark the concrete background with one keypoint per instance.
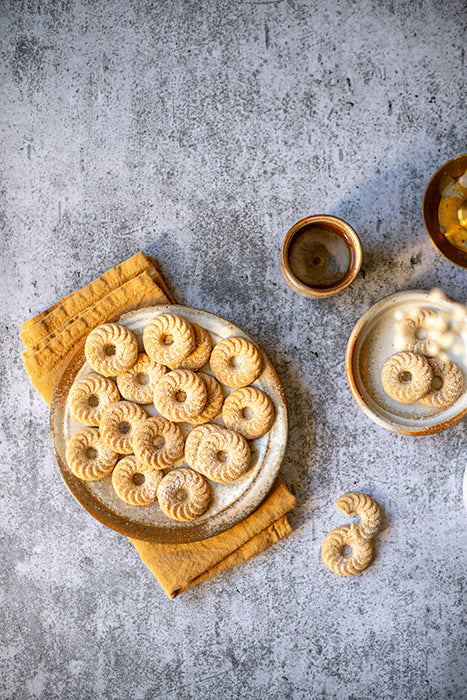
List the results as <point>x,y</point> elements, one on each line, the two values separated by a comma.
<point>200,132</point>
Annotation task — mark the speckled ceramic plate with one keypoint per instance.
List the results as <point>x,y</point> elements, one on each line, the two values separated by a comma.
<point>230,503</point>
<point>370,344</point>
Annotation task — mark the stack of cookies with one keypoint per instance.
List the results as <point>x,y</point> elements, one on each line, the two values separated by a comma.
<point>415,374</point>
<point>189,383</point>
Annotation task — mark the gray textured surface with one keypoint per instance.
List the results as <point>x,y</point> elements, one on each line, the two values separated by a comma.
<point>199,133</point>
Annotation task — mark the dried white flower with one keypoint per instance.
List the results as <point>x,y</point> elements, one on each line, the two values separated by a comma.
<point>447,330</point>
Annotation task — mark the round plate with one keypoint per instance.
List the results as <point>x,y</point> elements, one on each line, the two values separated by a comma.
<point>230,503</point>
<point>370,344</point>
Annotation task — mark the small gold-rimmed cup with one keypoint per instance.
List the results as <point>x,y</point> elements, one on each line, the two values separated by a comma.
<point>447,173</point>
<point>321,255</point>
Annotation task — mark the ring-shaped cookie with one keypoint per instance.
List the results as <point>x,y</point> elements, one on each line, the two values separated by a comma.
<point>236,362</point>
<point>406,376</point>
<point>135,483</point>
<point>180,395</point>
<point>202,351</point>
<point>367,510</point>
<point>446,386</point>
<point>157,442</point>
<point>414,329</point>
<point>89,396</point>
<point>117,425</point>
<point>214,400</point>
<point>249,411</point>
<point>183,494</point>
<point>333,551</point>
<point>222,456</point>
<point>194,438</point>
<point>88,456</point>
<point>111,348</point>
<point>137,383</point>
<point>168,339</point>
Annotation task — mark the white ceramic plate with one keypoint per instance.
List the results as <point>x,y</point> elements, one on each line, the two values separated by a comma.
<point>370,344</point>
<point>230,503</point>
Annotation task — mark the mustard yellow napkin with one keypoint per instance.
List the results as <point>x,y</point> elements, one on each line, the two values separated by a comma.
<point>177,567</point>
<point>49,339</point>
<point>62,311</point>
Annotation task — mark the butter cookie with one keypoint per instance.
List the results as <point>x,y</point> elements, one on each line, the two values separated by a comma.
<point>413,330</point>
<point>446,385</point>
<point>249,411</point>
<point>406,376</point>
<point>88,456</point>
<point>157,442</point>
<point>367,510</point>
<point>137,383</point>
<point>214,400</point>
<point>135,483</point>
<point>168,339</point>
<point>180,395</point>
<point>183,494</point>
<point>118,423</point>
<point>202,351</point>
<point>111,348</point>
<point>334,553</point>
<point>222,456</point>
<point>194,437</point>
<point>89,396</point>
<point>236,362</point>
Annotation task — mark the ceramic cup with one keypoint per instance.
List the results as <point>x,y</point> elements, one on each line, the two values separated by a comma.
<point>321,255</point>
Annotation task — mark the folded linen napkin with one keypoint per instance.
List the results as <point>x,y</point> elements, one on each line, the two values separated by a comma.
<point>62,311</point>
<point>50,337</point>
<point>177,567</point>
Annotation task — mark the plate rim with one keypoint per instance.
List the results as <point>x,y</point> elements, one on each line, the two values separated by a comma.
<point>176,532</point>
<point>350,355</point>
